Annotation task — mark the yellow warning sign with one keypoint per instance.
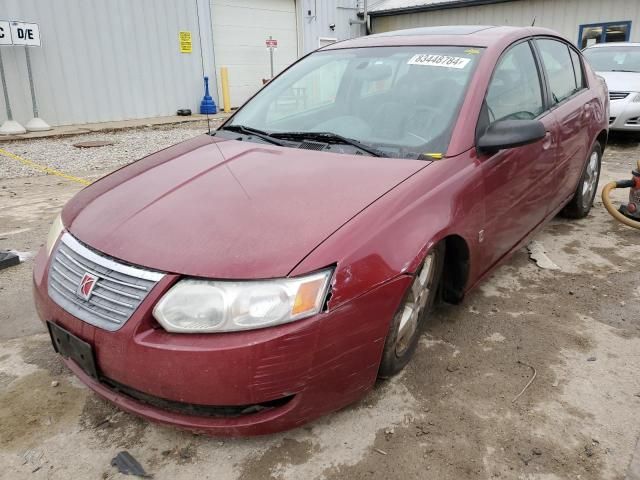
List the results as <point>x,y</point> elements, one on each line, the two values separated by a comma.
<point>185,42</point>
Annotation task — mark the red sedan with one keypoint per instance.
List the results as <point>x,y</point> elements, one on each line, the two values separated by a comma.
<point>251,280</point>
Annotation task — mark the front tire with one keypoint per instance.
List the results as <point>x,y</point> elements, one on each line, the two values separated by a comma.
<point>582,201</point>
<point>416,306</point>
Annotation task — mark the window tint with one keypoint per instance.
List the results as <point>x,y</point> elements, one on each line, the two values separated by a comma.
<point>577,68</point>
<point>514,92</point>
<point>559,68</point>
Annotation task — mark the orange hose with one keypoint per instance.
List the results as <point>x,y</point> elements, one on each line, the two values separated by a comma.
<point>606,191</point>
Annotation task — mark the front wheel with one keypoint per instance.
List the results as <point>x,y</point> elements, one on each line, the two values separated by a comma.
<point>416,306</point>
<point>582,201</point>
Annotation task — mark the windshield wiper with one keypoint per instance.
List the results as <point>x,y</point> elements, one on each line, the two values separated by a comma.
<point>253,131</point>
<point>328,137</point>
<point>625,71</point>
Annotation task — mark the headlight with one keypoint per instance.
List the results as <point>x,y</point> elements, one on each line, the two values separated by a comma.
<point>636,98</point>
<point>198,306</point>
<point>54,232</point>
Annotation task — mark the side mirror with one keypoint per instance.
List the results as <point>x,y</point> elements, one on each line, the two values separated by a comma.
<point>509,134</point>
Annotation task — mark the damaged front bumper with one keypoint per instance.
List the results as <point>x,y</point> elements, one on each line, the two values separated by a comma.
<point>240,383</point>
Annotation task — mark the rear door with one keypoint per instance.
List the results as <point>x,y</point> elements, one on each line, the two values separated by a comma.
<point>570,103</point>
<point>517,181</point>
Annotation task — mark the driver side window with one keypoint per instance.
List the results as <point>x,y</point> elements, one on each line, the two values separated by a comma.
<point>515,91</point>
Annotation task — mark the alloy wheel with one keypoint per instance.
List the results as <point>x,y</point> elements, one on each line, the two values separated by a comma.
<point>590,180</point>
<point>414,305</point>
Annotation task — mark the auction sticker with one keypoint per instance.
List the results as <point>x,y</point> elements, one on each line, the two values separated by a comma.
<point>439,61</point>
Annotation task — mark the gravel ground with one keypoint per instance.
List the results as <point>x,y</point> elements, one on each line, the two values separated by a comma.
<point>128,146</point>
<point>455,413</point>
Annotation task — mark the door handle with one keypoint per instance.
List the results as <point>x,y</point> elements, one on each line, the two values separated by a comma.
<point>547,141</point>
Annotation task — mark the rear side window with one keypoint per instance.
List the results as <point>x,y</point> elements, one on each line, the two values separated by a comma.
<point>559,67</point>
<point>577,68</point>
<point>515,92</point>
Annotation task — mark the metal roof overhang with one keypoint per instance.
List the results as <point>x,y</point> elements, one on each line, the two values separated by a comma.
<point>434,6</point>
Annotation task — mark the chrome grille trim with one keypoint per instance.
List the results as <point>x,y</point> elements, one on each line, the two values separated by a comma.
<point>618,95</point>
<point>118,291</point>
<point>89,270</point>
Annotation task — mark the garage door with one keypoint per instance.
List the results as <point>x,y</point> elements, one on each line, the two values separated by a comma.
<point>240,28</point>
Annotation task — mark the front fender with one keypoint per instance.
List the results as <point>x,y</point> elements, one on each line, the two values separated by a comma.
<point>393,235</point>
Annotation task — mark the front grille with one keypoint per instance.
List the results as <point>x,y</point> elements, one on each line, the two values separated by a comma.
<point>633,121</point>
<point>117,290</point>
<point>618,95</point>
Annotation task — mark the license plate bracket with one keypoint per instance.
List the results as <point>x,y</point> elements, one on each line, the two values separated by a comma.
<point>73,348</point>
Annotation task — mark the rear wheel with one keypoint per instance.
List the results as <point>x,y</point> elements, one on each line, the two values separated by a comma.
<point>582,201</point>
<point>411,315</point>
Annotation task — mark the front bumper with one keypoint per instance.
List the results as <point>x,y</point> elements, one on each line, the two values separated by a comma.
<point>624,114</point>
<point>304,369</point>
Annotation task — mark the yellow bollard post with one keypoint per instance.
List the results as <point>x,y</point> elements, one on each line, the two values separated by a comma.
<point>224,77</point>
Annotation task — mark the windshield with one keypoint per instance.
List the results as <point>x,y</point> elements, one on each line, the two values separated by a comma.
<point>614,59</point>
<point>402,101</point>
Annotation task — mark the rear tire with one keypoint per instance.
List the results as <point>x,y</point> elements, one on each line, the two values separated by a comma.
<point>582,201</point>
<point>415,308</point>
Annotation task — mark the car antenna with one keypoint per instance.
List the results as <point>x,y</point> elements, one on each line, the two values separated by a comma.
<point>207,105</point>
<point>534,21</point>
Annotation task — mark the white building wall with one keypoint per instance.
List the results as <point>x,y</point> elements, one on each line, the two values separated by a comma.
<point>240,29</point>
<point>107,60</point>
<point>316,16</point>
<point>564,16</point>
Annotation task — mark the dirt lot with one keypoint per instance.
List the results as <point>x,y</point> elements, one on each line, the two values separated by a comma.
<point>450,415</point>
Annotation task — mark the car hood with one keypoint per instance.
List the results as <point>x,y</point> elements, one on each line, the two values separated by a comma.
<point>228,209</point>
<point>621,81</point>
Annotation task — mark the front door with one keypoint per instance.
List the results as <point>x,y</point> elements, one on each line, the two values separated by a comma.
<point>517,182</point>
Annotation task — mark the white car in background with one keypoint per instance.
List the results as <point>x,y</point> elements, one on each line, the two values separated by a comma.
<point>619,64</point>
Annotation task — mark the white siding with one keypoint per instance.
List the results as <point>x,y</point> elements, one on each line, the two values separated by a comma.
<point>316,16</point>
<point>563,16</point>
<point>240,28</point>
<point>107,60</point>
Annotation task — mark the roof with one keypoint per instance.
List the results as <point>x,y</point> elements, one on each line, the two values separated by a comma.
<point>463,35</point>
<point>439,30</point>
<point>392,7</point>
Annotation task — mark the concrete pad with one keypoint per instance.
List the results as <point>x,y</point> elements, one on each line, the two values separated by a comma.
<point>66,130</point>
<point>634,469</point>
